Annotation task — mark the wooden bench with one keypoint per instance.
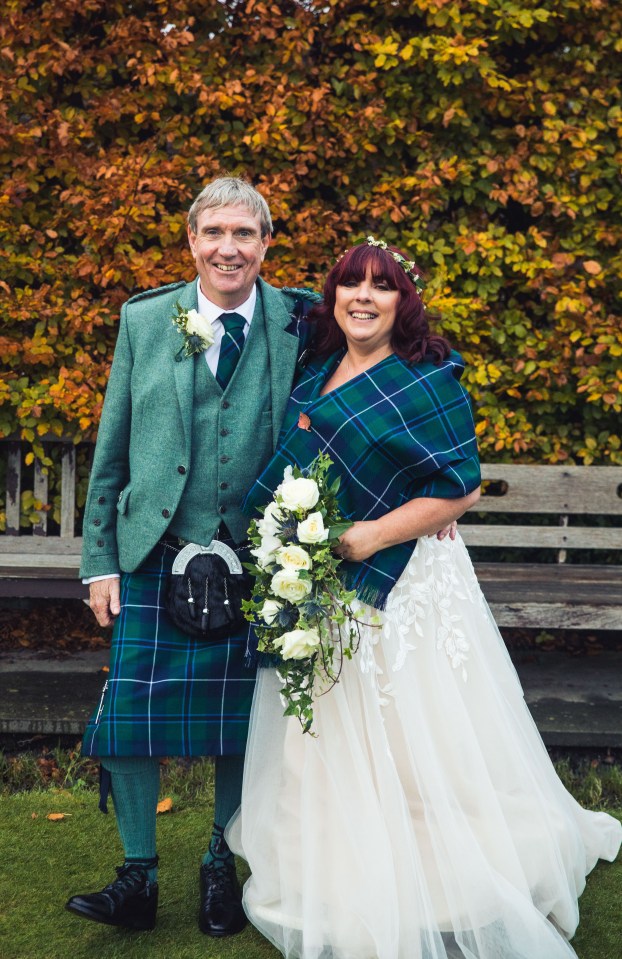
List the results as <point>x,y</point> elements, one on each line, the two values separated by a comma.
<point>560,595</point>
<point>586,502</point>
<point>40,561</point>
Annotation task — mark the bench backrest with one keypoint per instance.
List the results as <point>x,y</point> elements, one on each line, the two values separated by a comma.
<point>569,492</point>
<point>15,451</point>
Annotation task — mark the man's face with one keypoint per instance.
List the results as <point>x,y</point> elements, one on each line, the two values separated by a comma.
<point>228,250</point>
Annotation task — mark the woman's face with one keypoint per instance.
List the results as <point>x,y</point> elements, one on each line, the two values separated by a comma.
<point>365,311</point>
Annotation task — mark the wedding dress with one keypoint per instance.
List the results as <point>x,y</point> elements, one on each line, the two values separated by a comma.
<point>425,820</point>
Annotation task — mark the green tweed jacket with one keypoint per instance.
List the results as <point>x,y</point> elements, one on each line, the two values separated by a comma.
<point>144,445</point>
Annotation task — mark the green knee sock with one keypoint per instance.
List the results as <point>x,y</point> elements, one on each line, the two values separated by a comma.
<point>135,788</point>
<point>227,798</point>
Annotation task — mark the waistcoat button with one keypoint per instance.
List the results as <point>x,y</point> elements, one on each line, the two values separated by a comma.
<point>222,509</point>
<point>225,459</point>
<point>97,522</point>
<point>166,513</point>
<point>181,469</point>
<point>101,500</point>
<point>100,542</point>
<point>224,432</point>
<point>224,485</point>
<point>225,404</point>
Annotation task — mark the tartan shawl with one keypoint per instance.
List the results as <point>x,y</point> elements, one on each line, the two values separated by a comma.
<point>395,432</point>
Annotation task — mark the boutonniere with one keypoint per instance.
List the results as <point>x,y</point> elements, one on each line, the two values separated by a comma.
<point>197,332</point>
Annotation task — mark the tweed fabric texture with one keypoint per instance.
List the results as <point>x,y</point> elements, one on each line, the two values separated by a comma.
<point>231,347</point>
<point>394,433</point>
<point>168,694</point>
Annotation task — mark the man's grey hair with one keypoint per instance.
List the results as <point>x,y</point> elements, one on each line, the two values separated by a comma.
<point>231,191</point>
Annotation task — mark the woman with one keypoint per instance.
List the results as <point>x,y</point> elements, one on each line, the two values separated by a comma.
<point>425,820</point>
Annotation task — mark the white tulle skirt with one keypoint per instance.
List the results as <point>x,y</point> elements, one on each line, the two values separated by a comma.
<point>425,821</point>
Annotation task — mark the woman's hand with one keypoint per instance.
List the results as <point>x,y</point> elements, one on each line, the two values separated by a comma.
<point>359,542</point>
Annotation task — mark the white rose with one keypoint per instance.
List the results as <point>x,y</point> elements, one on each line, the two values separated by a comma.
<point>198,325</point>
<point>293,557</point>
<point>288,585</point>
<point>265,553</point>
<point>312,529</point>
<point>269,611</point>
<point>269,525</point>
<point>299,493</point>
<point>298,643</point>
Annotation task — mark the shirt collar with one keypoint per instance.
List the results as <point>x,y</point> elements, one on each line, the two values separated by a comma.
<point>212,312</point>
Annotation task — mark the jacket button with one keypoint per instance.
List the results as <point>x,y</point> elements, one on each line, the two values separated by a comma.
<point>166,513</point>
<point>100,542</point>
<point>97,522</point>
<point>224,485</point>
<point>225,404</point>
<point>224,432</point>
<point>101,500</point>
<point>222,509</point>
<point>181,469</point>
<point>225,459</point>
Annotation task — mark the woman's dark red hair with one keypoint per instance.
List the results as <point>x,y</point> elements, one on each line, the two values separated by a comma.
<point>411,337</point>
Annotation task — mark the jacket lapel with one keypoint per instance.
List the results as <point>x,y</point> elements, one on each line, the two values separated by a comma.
<point>184,367</point>
<point>282,350</point>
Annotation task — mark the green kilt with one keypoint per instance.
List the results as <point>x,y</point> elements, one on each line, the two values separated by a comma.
<point>168,694</point>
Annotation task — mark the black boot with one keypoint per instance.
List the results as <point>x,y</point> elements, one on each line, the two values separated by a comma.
<point>221,912</point>
<point>130,901</point>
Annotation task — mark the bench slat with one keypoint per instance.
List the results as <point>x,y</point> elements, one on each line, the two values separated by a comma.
<point>558,537</point>
<point>68,492</point>
<point>41,493</point>
<point>554,489</point>
<point>13,487</point>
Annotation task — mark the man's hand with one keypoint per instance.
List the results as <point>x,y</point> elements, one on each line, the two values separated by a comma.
<point>452,529</point>
<point>104,600</point>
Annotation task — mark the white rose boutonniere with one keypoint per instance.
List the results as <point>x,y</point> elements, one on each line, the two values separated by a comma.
<point>196,329</point>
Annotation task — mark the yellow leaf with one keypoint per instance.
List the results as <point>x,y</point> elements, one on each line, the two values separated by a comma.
<point>164,806</point>
<point>29,458</point>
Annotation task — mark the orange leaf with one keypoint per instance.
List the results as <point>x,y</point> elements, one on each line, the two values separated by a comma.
<point>165,806</point>
<point>34,815</point>
<point>592,266</point>
<point>57,816</point>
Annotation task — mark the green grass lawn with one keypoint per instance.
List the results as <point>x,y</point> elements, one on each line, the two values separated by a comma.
<point>44,862</point>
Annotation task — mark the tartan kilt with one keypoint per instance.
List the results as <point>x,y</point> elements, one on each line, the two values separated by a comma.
<point>167,693</point>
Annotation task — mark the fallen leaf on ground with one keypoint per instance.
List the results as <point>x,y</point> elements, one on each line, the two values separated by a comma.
<point>165,806</point>
<point>34,815</point>
<point>56,816</point>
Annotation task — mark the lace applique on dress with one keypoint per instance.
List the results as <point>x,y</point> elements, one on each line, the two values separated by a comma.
<point>415,598</point>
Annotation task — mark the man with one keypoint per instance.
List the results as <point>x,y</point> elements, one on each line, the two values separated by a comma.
<point>182,438</point>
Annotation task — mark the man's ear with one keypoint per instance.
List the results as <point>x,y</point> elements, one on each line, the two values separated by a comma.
<point>191,240</point>
<point>266,240</point>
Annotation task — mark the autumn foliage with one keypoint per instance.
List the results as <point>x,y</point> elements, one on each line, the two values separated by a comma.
<point>482,136</point>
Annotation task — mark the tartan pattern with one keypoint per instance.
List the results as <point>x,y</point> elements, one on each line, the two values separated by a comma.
<point>395,432</point>
<point>231,347</point>
<point>168,694</point>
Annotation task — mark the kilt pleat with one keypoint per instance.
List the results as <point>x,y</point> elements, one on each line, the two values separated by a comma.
<point>167,693</point>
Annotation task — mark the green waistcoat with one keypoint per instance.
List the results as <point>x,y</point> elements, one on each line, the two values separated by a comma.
<point>231,441</point>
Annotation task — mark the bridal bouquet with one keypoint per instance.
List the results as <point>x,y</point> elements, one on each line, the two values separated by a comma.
<point>301,611</point>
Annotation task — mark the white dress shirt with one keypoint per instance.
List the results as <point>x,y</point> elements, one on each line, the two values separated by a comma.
<point>212,313</point>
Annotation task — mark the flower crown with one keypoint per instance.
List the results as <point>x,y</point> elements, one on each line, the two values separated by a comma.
<point>408,266</point>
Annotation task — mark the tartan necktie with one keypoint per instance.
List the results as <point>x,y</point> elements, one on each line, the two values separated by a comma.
<point>230,347</point>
